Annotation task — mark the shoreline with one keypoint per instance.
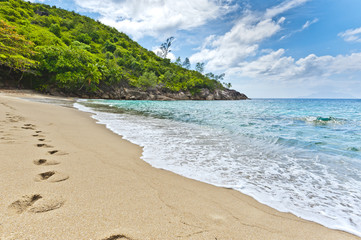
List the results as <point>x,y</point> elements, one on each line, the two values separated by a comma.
<point>110,192</point>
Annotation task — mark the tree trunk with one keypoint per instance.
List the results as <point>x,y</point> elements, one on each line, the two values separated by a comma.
<point>22,75</point>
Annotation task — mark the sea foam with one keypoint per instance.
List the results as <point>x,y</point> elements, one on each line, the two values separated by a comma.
<point>273,155</point>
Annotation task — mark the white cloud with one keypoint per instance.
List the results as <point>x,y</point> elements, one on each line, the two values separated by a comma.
<point>271,65</point>
<point>242,41</point>
<point>283,7</point>
<point>276,66</point>
<point>238,52</point>
<point>309,23</point>
<point>277,75</point>
<point>351,35</point>
<point>233,51</point>
<point>304,26</point>
<point>155,18</point>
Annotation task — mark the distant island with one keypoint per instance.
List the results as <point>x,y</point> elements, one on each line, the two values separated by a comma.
<point>59,52</point>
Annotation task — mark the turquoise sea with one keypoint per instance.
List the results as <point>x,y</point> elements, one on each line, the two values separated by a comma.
<point>296,155</point>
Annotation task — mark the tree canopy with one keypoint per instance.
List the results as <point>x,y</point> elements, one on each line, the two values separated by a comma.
<point>165,47</point>
<point>15,50</point>
<point>73,52</point>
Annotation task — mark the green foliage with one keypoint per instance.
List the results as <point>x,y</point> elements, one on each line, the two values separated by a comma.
<point>80,45</point>
<point>186,64</point>
<point>84,38</point>
<point>41,36</point>
<point>110,47</point>
<point>227,85</point>
<point>114,72</point>
<point>165,47</point>
<point>42,88</point>
<point>200,67</point>
<point>76,52</point>
<point>15,50</point>
<point>55,28</point>
<point>70,68</point>
<point>178,62</point>
<point>147,80</point>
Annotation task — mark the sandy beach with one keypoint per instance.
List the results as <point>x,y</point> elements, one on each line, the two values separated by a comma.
<point>62,176</point>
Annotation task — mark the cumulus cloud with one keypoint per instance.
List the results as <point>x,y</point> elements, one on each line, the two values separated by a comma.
<point>155,18</point>
<point>238,52</point>
<point>351,35</point>
<point>242,41</point>
<point>276,66</point>
<point>277,75</point>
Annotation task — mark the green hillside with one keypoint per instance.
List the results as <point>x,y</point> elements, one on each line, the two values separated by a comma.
<point>44,47</point>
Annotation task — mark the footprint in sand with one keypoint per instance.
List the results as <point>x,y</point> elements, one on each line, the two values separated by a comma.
<point>25,202</point>
<point>14,118</point>
<point>45,162</point>
<point>38,135</point>
<point>36,203</point>
<point>38,131</point>
<point>7,138</point>
<point>51,176</point>
<point>28,126</point>
<point>31,128</point>
<point>43,145</point>
<point>41,139</point>
<point>116,237</point>
<point>57,152</point>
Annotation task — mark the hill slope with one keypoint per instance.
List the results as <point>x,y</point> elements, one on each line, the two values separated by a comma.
<point>61,52</point>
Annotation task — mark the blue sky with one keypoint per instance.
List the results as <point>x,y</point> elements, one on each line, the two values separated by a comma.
<point>266,48</point>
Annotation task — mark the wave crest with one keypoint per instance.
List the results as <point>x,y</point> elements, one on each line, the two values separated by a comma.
<point>323,120</point>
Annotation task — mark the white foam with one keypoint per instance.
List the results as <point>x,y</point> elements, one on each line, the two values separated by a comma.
<point>286,179</point>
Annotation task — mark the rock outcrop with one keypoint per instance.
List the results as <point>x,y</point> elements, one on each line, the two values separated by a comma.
<point>127,93</point>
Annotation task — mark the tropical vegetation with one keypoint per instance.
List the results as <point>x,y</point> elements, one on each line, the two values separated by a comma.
<point>44,47</point>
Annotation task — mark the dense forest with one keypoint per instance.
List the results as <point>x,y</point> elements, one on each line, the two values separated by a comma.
<point>45,48</point>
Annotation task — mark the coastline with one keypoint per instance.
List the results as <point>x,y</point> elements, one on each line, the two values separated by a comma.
<point>110,191</point>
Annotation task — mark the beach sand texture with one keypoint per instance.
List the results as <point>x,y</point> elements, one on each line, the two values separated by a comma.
<point>62,176</point>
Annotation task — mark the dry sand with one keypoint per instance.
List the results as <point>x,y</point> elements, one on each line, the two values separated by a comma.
<point>62,176</point>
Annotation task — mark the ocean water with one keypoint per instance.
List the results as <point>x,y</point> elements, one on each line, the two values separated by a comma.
<point>296,155</point>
